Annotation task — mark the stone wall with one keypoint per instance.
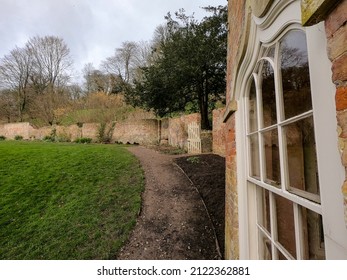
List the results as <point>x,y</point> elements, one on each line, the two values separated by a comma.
<point>164,132</point>
<point>218,132</point>
<point>336,32</point>
<point>139,131</point>
<point>142,132</point>
<point>11,130</point>
<point>90,130</point>
<point>178,129</point>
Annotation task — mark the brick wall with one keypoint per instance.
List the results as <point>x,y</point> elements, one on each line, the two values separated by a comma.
<point>90,130</point>
<point>336,32</point>
<point>141,132</point>
<point>134,131</point>
<point>218,132</point>
<point>178,129</point>
<point>237,22</point>
<point>231,201</point>
<point>10,130</point>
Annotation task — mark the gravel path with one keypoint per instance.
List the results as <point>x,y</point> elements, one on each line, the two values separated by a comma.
<point>173,223</point>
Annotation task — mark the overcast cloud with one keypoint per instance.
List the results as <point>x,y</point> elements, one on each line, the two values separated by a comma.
<point>91,28</point>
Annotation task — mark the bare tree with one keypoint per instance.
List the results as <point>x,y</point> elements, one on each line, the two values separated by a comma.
<point>15,71</point>
<point>96,80</point>
<point>51,62</point>
<point>8,106</point>
<point>123,62</point>
<point>87,75</point>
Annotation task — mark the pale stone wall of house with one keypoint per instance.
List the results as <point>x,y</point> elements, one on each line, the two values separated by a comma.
<point>218,132</point>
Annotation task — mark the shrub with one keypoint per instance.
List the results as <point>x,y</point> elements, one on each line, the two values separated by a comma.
<point>18,137</point>
<point>105,132</point>
<point>83,140</point>
<point>48,138</point>
<point>62,138</point>
<point>193,160</point>
<point>2,137</point>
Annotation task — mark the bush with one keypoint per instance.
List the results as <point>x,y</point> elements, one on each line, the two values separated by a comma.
<point>2,138</point>
<point>105,132</point>
<point>18,137</point>
<point>83,140</point>
<point>193,160</point>
<point>48,138</point>
<point>63,138</point>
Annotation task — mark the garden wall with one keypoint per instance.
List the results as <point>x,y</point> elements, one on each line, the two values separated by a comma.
<point>173,131</point>
<point>178,129</point>
<point>11,130</point>
<point>139,131</point>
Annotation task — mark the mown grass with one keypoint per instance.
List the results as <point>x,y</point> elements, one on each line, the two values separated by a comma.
<point>66,201</point>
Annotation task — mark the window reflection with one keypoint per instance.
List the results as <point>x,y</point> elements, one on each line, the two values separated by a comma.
<point>295,74</point>
<point>272,158</point>
<point>254,149</point>
<point>285,224</point>
<point>302,159</point>
<point>252,107</point>
<point>268,93</point>
<point>314,227</point>
<point>264,215</point>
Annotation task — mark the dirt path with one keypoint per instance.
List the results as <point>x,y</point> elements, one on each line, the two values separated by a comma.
<point>173,224</point>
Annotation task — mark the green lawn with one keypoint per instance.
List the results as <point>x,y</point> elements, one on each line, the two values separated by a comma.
<point>66,201</point>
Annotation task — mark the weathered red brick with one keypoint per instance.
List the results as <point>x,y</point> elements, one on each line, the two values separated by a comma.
<point>341,98</point>
<point>339,69</point>
<point>336,19</point>
<point>342,123</point>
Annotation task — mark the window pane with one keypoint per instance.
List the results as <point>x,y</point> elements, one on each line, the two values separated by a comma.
<point>252,108</point>
<point>313,225</point>
<point>264,247</point>
<point>280,255</point>
<point>270,52</point>
<point>264,213</point>
<point>285,224</point>
<point>268,93</point>
<point>302,159</point>
<point>254,152</point>
<point>273,172</point>
<point>295,74</point>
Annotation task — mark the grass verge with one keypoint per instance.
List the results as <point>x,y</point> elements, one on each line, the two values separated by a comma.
<point>66,201</point>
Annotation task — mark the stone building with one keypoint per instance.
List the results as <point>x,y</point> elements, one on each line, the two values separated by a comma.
<point>286,130</point>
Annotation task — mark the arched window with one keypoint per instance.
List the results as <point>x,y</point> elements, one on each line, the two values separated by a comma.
<point>289,171</point>
<point>282,152</point>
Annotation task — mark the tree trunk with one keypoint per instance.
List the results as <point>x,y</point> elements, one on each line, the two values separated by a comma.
<point>203,106</point>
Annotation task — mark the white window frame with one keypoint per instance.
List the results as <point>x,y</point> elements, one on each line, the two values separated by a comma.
<point>284,15</point>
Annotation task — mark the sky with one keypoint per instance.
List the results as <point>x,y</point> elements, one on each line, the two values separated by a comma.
<point>92,29</point>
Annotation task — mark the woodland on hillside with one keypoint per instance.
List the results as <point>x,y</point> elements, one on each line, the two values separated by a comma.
<point>181,70</point>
